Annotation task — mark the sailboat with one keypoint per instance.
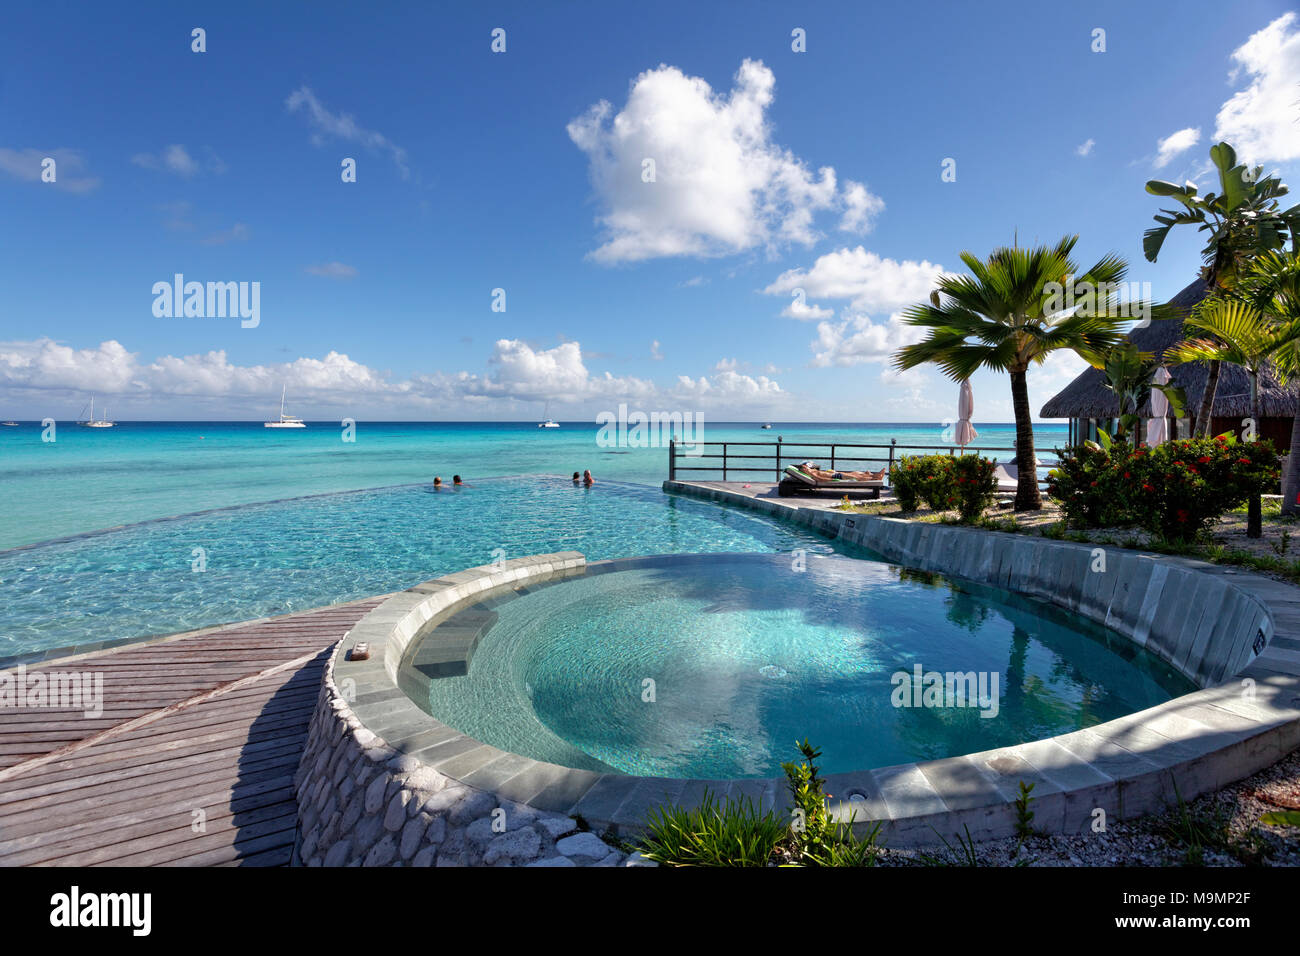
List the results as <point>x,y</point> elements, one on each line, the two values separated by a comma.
<point>548,423</point>
<point>91,422</point>
<point>286,421</point>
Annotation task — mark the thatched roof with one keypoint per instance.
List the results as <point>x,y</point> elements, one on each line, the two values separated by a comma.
<point>1088,397</point>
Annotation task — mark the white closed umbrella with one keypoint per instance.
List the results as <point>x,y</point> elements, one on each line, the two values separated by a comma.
<point>1157,424</point>
<point>966,432</point>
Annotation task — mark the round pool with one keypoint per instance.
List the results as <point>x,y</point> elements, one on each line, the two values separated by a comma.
<point>713,666</point>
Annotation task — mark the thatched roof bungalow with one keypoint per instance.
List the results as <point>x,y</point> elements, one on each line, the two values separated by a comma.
<point>1087,403</point>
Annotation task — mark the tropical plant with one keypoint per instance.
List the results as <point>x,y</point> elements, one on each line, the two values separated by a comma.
<point>815,838</point>
<point>1273,286</point>
<point>1234,330</point>
<point>1129,372</point>
<point>716,833</point>
<point>976,486</point>
<point>1005,317</point>
<point>1243,220</point>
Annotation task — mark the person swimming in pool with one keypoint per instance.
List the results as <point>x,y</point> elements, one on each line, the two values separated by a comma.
<point>437,481</point>
<point>587,479</point>
<point>455,480</point>
<point>576,477</point>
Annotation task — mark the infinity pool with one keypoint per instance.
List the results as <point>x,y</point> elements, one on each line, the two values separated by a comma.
<point>713,667</point>
<point>247,562</point>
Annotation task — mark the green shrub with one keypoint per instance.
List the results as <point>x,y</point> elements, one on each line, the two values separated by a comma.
<point>974,484</point>
<point>1188,485</point>
<point>927,478</point>
<point>1177,490</point>
<point>904,482</point>
<point>716,833</point>
<point>737,833</point>
<point>1085,485</point>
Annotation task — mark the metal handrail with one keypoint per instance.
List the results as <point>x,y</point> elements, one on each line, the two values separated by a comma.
<point>776,457</point>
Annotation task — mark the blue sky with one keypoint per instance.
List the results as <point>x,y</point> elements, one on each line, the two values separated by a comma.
<point>480,171</point>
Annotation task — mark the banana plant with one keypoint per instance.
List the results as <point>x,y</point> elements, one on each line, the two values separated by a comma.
<point>1128,372</point>
<point>1242,220</point>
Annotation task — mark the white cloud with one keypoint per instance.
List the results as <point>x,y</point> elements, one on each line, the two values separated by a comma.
<point>25,164</point>
<point>174,159</point>
<point>1263,121</point>
<point>856,340</point>
<point>236,233</point>
<point>860,207</point>
<point>1084,148</point>
<point>721,185</point>
<point>654,351</point>
<point>329,125</point>
<point>805,312</point>
<point>870,283</point>
<point>333,270</point>
<point>1175,144</point>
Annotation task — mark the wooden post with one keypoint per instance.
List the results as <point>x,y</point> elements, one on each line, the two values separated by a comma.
<point>892,443</point>
<point>832,458</point>
<point>672,460</point>
<point>724,461</point>
<point>778,460</point>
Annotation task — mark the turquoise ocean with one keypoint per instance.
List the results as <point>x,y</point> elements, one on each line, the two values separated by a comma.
<point>92,479</point>
<point>158,527</point>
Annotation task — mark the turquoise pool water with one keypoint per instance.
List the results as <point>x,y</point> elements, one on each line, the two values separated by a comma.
<point>747,655</point>
<point>284,556</point>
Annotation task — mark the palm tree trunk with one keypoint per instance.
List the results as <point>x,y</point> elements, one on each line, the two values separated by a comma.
<point>1206,412</point>
<point>1027,496</point>
<point>1291,479</point>
<point>1255,510</point>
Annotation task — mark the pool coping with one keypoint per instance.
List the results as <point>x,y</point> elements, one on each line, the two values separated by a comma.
<point>1117,770</point>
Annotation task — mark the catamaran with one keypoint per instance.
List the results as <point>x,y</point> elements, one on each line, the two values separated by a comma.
<point>92,422</point>
<point>286,421</point>
<point>548,423</point>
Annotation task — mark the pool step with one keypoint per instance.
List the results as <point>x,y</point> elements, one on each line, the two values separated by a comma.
<point>447,650</point>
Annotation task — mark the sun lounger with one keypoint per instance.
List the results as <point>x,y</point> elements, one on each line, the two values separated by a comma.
<point>1008,480</point>
<point>797,482</point>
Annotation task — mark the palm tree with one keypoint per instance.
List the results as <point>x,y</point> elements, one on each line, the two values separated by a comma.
<point>1242,220</point>
<point>1235,330</point>
<point>1273,287</point>
<point>1002,317</point>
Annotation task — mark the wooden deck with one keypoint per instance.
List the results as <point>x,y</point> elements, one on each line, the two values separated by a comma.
<point>212,722</point>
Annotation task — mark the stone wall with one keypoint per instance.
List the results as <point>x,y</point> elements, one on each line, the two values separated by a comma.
<point>362,802</point>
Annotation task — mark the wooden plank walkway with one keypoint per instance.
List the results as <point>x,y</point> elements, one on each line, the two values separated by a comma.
<point>212,722</point>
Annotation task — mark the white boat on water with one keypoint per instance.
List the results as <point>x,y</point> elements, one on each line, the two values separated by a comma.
<point>10,424</point>
<point>93,422</point>
<point>548,423</point>
<point>286,421</point>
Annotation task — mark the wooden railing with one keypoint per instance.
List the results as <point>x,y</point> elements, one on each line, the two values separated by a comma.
<point>743,457</point>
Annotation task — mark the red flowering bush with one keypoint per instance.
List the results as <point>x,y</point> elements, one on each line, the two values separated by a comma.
<point>1087,484</point>
<point>927,478</point>
<point>1189,484</point>
<point>1176,490</point>
<point>975,485</point>
<point>944,482</point>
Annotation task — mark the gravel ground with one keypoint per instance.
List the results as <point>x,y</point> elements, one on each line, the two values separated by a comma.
<point>1226,825</point>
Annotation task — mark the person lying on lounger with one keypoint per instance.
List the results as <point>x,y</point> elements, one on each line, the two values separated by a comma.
<point>812,469</point>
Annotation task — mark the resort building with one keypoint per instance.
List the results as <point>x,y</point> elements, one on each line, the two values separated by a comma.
<point>1089,404</point>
